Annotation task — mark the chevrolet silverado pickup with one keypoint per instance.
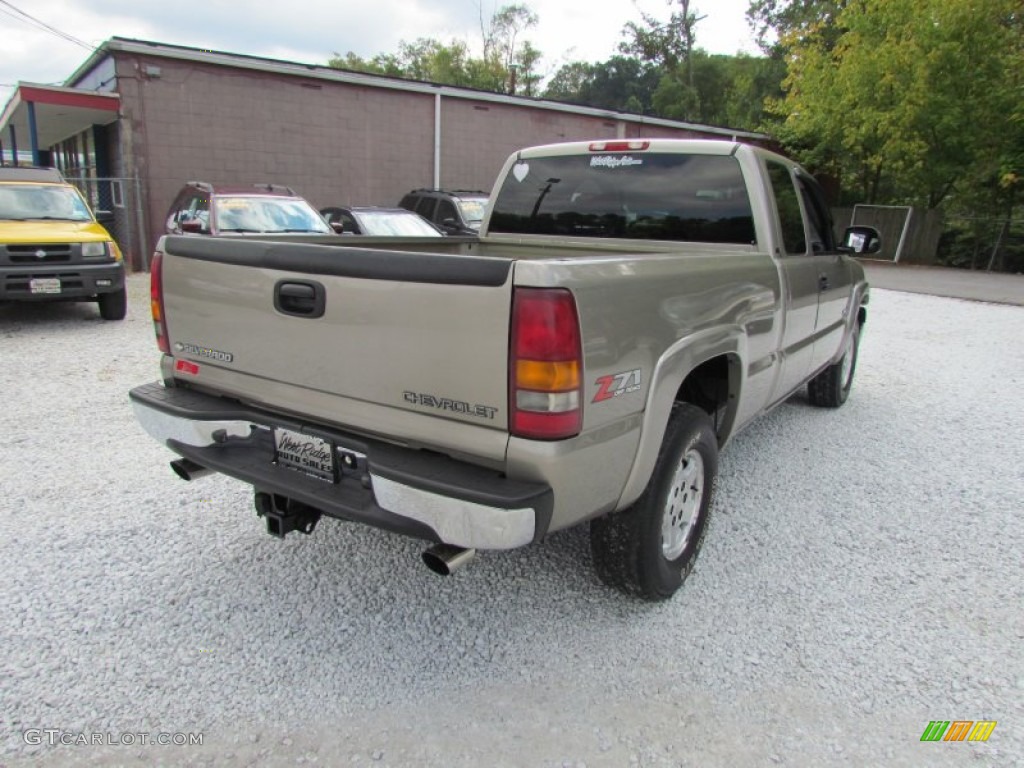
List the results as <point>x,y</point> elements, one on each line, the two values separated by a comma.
<point>628,307</point>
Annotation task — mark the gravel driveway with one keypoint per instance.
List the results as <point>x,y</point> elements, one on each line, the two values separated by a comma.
<point>862,576</point>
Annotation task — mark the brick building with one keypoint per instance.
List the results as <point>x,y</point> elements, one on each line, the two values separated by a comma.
<point>153,116</point>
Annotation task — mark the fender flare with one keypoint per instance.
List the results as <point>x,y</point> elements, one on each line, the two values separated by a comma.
<point>859,299</point>
<point>674,365</point>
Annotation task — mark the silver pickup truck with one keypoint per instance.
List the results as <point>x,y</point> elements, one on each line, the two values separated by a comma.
<point>628,307</point>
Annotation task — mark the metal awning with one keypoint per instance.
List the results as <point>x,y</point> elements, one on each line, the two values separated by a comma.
<point>39,116</point>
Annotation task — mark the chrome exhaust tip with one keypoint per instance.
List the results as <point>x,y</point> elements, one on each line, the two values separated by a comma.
<point>187,469</point>
<point>445,559</point>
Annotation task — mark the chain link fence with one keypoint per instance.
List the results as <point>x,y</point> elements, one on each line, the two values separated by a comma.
<point>995,245</point>
<point>913,235</point>
<point>123,198</point>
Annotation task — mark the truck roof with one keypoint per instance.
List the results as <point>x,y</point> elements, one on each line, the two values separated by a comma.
<point>689,146</point>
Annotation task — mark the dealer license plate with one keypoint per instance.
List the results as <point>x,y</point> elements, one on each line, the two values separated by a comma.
<point>305,453</point>
<point>44,285</point>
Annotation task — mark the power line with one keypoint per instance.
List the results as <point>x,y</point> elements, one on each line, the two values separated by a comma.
<point>39,24</point>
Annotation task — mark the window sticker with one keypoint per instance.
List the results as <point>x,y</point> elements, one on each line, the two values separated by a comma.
<point>521,170</point>
<point>614,161</point>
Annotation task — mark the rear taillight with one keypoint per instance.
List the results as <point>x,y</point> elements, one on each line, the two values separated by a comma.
<point>545,365</point>
<point>156,302</point>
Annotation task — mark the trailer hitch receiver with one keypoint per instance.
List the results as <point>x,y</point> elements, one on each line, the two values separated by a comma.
<point>285,515</point>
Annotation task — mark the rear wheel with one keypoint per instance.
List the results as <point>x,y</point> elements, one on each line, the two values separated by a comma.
<point>649,549</point>
<point>114,305</point>
<point>831,387</point>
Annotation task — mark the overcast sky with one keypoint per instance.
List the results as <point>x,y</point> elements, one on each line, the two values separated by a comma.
<point>311,31</point>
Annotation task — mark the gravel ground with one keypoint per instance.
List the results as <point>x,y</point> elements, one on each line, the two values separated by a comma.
<point>861,577</point>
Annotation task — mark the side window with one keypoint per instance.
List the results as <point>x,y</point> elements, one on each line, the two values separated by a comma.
<point>790,219</point>
<point>180,210</point>
<point>201,209</point>
<point>446,210</point>
<point>818,215</point>
<point>425,208</point>
<point>349,223</point>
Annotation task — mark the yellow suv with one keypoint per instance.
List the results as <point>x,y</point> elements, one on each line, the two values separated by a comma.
<point>52,248</point>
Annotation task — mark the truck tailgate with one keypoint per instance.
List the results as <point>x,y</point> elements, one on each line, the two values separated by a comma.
<point>384,336</point>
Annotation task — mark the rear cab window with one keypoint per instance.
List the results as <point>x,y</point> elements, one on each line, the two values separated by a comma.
<point>644,195</point>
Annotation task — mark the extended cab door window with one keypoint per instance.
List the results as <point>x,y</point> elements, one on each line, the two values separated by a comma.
<point>819,221</point>
<point>791,221</point>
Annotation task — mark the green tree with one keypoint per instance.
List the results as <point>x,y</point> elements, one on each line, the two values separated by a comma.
<point>670,47</point>
<point>692,84</point>
<point>790,20</point>
<point>621,83</point>
<point>910,100</point>
<point>570,81</point>
<point>429,59</point>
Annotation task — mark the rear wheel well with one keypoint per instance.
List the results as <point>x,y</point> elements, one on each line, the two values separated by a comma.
<point>713,386</point>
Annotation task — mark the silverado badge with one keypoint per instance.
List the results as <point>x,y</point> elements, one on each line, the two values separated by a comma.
<point>198,351</point>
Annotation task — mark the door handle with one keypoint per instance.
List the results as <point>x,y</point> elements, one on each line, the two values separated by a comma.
<point>823,283</point>
<point>300,298</point>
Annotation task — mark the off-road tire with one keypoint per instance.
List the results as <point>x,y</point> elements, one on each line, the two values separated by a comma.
<point>831,387</point>
<point>113,305</point>
<point>629,547</point>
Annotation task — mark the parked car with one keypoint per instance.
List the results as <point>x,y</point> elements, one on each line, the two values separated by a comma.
<point>380,222</point>
<point>52,247</point>
<point>207,209</point>
<point>457,213</point>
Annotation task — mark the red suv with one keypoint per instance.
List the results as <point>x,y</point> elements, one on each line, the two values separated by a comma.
<point>208,209</point>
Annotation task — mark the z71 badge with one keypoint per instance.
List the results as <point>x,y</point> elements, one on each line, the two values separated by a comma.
<point>616,385</point>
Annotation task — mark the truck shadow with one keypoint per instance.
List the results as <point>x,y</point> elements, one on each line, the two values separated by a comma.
<point>31,314</point>
<point>361,599</point>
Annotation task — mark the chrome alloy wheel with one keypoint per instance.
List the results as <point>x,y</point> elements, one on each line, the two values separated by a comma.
<point>682,505</point>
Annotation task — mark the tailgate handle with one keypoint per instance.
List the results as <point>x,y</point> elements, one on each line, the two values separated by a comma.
<point>300,298</point>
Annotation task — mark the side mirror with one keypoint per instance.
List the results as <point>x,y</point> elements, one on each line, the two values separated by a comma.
<point>105,217</point>
<point>860,240</point>
<point>338,227</point>
<point>192,226</point>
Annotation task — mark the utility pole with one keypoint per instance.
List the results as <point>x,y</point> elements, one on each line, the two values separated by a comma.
<point>689,21</point>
